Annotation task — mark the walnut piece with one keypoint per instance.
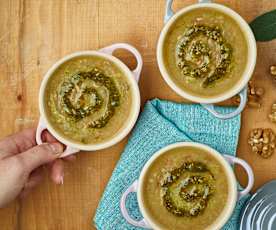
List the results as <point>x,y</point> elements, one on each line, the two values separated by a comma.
<point>273,70</point>
<point>254,94</point>
<point>262,142</point>
<point>272,116</point>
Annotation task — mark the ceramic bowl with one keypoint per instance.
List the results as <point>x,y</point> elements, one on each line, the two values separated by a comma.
<point>225,160</point>
<point>133,78</point>
<point>240,88</point>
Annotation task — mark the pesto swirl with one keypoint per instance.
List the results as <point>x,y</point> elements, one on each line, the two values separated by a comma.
<point>185,190</point>
<point>202,52</point>
<point>79,97</point>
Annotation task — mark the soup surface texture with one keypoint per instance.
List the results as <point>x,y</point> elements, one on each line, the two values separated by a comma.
<point>88,99</point>
<point>205,52</point>
<point>185,188</point>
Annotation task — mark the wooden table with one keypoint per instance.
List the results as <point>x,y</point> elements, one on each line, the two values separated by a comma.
<point>36,33</point>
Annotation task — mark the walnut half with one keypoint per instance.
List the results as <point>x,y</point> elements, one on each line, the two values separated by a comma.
<point>272,116</point>
<point>262,142</point>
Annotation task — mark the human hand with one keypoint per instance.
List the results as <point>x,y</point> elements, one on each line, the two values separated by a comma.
<point>22,161</point>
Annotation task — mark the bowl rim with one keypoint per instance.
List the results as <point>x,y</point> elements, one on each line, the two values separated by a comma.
<point>249,69</point>
<point>233,189</point>
<point>122,133</point>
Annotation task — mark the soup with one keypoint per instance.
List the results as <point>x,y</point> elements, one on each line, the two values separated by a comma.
<point>88,99</point>
<point>185,188</point>
<point>205,52</point>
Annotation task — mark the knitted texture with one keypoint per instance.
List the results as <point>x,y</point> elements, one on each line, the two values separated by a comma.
<point>160,124</point>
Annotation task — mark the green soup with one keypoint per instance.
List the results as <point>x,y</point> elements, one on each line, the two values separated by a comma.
<point>185,188</point>
<point>205,52</point>
<point>88,99</point>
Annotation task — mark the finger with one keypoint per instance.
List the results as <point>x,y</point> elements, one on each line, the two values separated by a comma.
<point>57,171</point>
<point>24,193</point>
<point>35,178</point>
<point>39,155</point>
<point>70,158</point>
<point>56,168</point>
<point>47,137</point>
<point>17,143</point>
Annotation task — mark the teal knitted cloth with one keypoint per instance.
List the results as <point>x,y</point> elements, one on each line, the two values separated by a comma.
<point>160,124</point>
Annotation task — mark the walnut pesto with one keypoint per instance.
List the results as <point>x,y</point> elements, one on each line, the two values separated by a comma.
<point>186,190</point>
<point>88,99</point>
<point>195,56</point>
<point>88,94</point>
<point>205,52</point>
<point>185,186</point>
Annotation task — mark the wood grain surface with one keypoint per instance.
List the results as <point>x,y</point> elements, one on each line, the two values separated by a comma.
<point>36,33</point>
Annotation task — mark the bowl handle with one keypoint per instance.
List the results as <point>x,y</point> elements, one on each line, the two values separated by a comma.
<point>235,160</point>
<point>40,128</point>
<point>169,12</point>
<point>240,108</point>
<point>141,223</point>
<point>110,49</point>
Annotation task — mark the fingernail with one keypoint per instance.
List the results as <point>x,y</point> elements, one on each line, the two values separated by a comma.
<point>61,180</point>
<point>56,147</point>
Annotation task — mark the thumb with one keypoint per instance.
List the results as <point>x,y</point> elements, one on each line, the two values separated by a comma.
<point>40,155</point>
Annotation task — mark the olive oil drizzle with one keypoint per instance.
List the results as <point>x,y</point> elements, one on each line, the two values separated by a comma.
<point>185,190</point>
<point>195,55</point>
<point>82,108</point>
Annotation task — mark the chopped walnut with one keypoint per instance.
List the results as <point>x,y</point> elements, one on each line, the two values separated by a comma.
<point>262,142</point>
<point>254,94</point>
<point>273,70</point>
<point>272,116</point>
